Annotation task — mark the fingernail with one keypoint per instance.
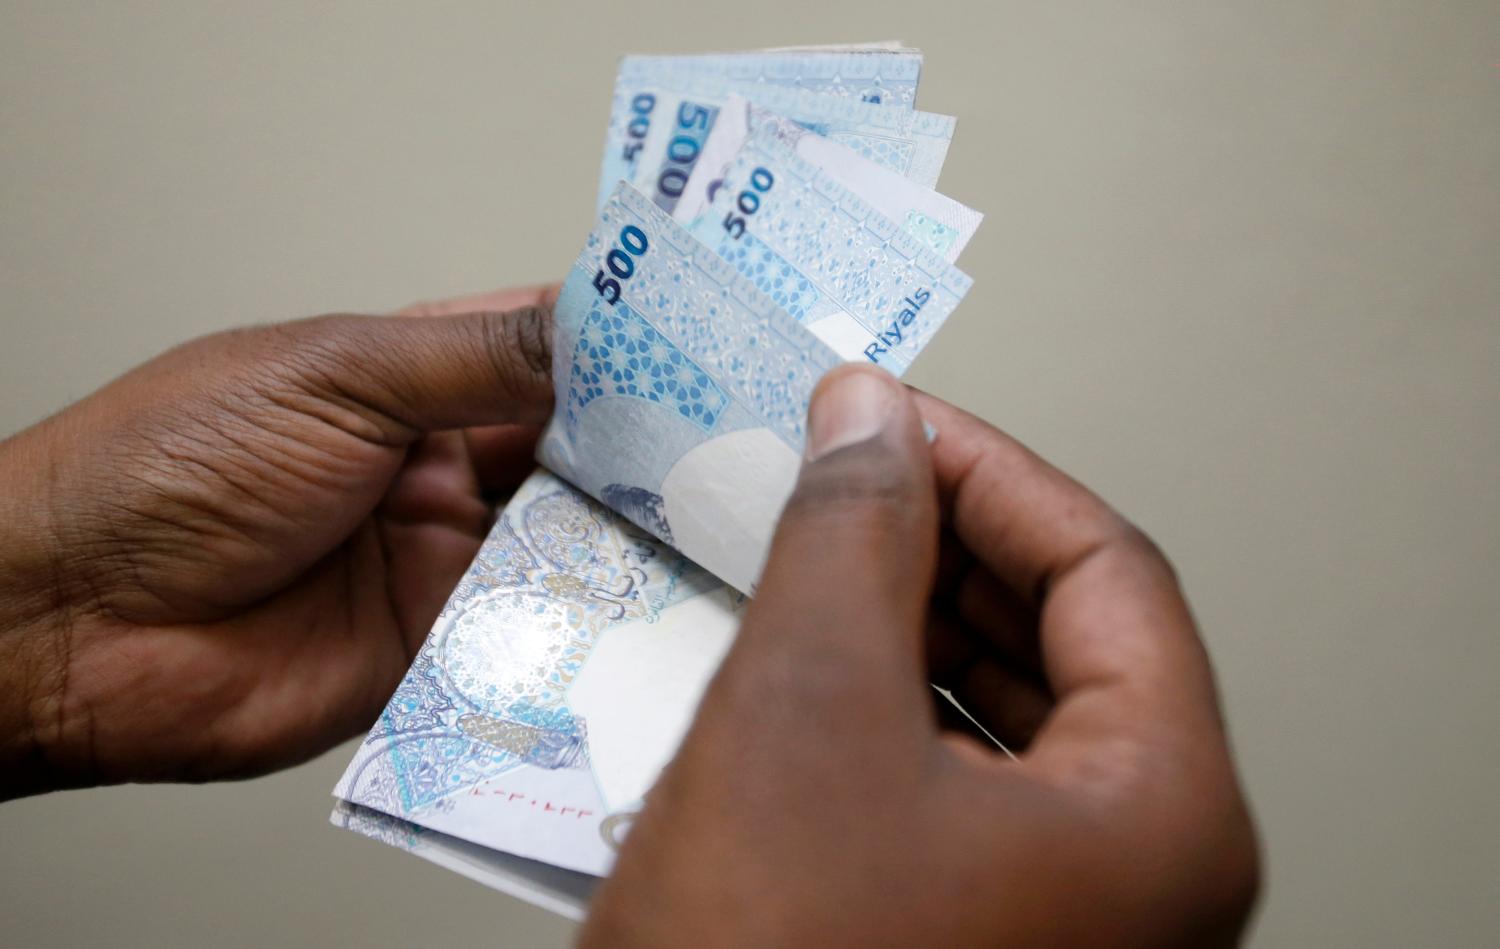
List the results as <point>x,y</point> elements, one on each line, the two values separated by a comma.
<point>853,407</point>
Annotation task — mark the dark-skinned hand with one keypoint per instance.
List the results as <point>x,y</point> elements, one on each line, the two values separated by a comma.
<point>818,799</point>
<point>222,562</point>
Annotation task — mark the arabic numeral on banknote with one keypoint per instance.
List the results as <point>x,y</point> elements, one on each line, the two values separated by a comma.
<point>694,122</point>
<point>621,262</point>
<point>748,202</point>
<point>639,124</point>
<point>762,217</point>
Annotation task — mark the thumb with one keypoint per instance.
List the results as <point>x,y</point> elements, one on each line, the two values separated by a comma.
<point>408,375</point>
<point>843,599</point>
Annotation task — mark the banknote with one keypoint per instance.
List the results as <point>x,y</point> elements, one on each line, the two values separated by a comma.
<point>520,726</point>
<point>564,892</point>
<point>892,45</point>
<point>874,77</point>
<point>682,389</point>
<point>912,144</point>
<point>938,221</point>
<point>567,664</point>
<point>854,277</point>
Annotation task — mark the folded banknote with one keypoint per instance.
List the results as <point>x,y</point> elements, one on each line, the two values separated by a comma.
<point>518,727</point>
<point>567,664</point>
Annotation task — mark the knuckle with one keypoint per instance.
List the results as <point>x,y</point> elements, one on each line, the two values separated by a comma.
<point>518,345</point>
<point>853,484</point>
<point>317,348</point>
<point>1142,548</point>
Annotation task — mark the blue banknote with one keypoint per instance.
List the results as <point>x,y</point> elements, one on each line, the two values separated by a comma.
<point>499,733</point>
<point>874,74</point>
<point>884,81</point>
<point>858,280</point>
<point>682,389</point>
<point>911,144</point>
<point>937,221</point>
<point>564,892</point>
<point>567,664</point>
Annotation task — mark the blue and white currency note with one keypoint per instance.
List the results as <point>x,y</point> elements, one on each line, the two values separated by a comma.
<point>938,221</point>
<point>567,664</point>
<point>521,726</point>
<point>911,144</point>
<point>682,389</point>
<point>854,277</point>
<point>878,73</point>
<point>880,77</point>
<point>564,892</point>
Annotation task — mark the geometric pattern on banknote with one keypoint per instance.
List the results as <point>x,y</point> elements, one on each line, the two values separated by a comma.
<point>771,275</point>
<point>816,219</point>
<point>430,767</point>
<point>418,703</point>
<point>886,152</point>
<point>526,643</point>
<point>933,233</point>
<point>759,354</point>
<point>555,571</point>
<point>619,353</point>
<point>503,561</point>
<point>870,76</point>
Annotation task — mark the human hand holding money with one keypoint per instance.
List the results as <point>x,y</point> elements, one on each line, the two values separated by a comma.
<point>219,564</point>
<point>818,799</point>
<point>561,674</point>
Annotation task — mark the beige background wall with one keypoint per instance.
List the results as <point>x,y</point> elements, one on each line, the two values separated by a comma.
<point>1241,273</point>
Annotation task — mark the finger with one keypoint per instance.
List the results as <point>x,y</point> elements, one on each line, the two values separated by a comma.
<point>510,298</point>
<point>1119,647</point>
<point>1009,699</point>
<point>1001,621</point>
<point>437,485</point>
<point>431,524</point>
<point>392,378</point>
<point>1006,701</point>
<point>839,612</point>
<point>502,456</point>
<point>951,644</point>
<point>423,562</point>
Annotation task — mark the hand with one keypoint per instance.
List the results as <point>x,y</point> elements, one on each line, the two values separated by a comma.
<point>818,801</point>
<point>222,562</point>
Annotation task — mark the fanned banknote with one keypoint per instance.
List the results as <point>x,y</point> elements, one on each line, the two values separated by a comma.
<point>912,144</point>
<point>566,666</point>
<point>870,77</point>
<point>938,221</point>
<point>682,389</point>
<point>860,281</point>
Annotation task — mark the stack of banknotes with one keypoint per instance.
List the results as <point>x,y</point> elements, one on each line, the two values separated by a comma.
<point>762,218</point>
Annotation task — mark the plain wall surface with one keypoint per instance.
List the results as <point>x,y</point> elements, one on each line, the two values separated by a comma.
<point>1240,274</point>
